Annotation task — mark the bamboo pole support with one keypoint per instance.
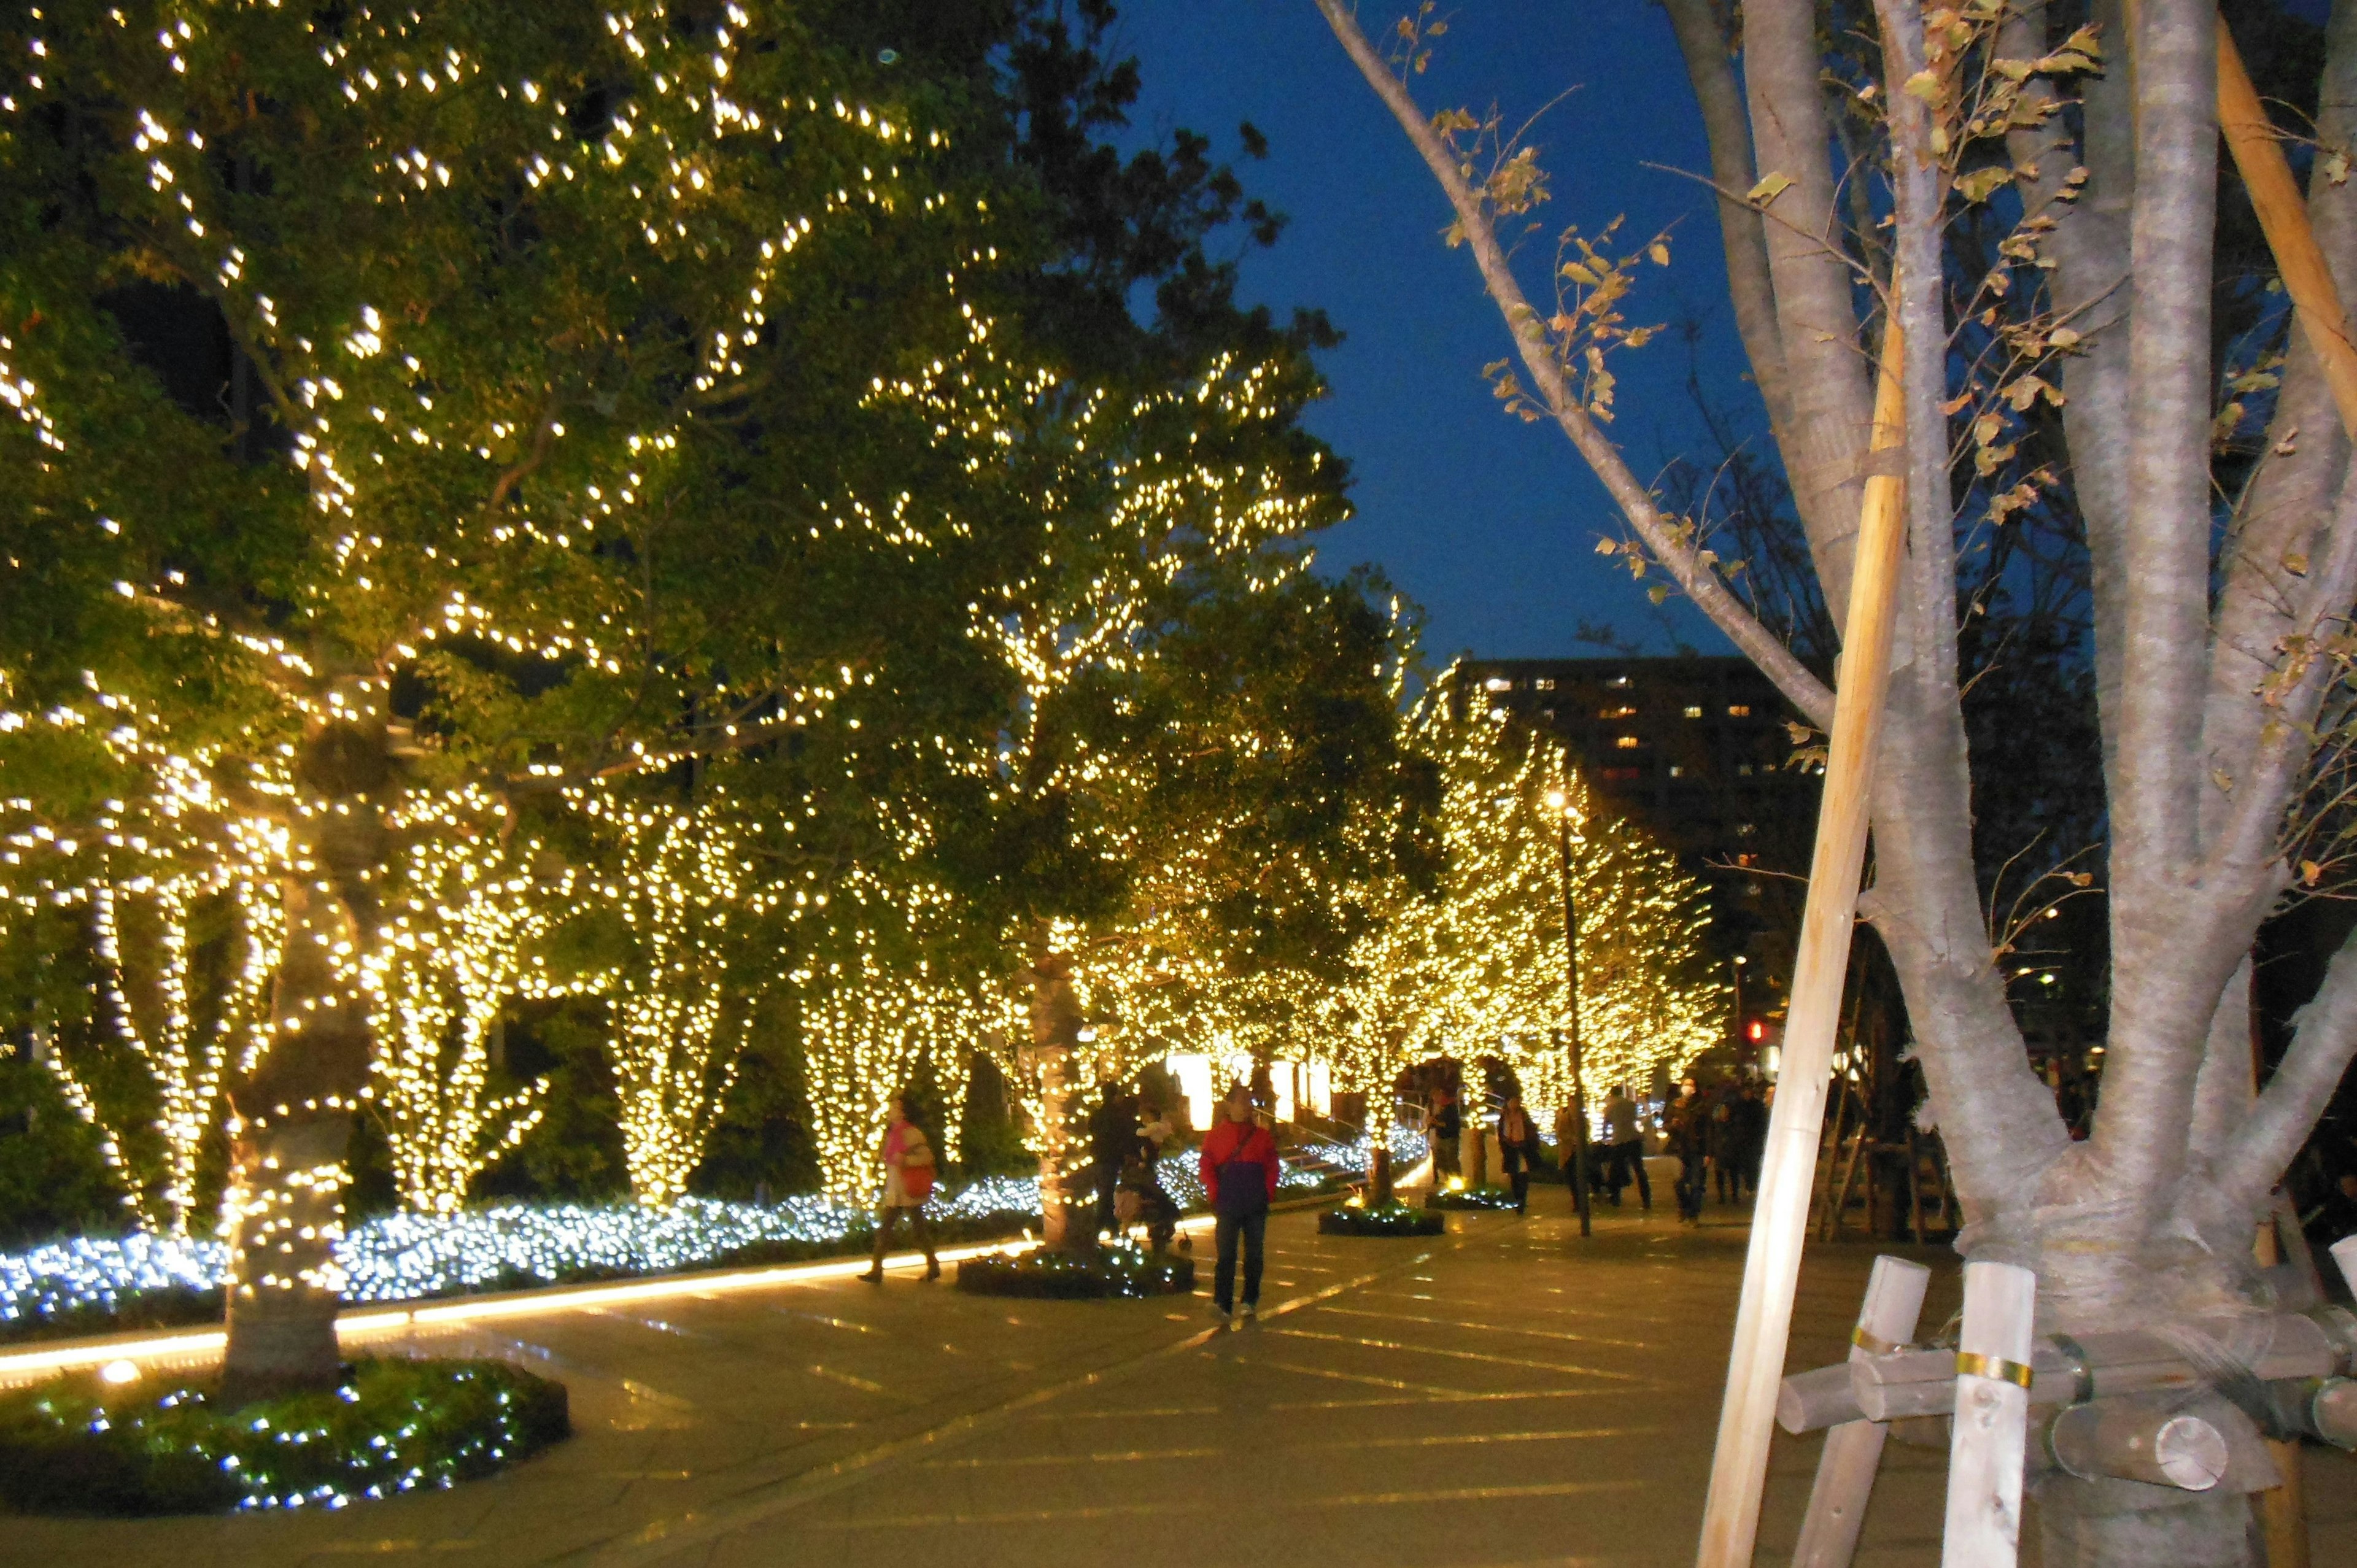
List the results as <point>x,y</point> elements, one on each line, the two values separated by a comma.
<point>2283,218</point>
<point>1780,1216</point>
<point>1853,1451</point>
<point>1983,1528</point>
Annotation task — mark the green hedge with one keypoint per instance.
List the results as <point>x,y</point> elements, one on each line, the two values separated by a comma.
<point>79,1446</point>
<point>1393,1218</point>
<point>1076,1276</point>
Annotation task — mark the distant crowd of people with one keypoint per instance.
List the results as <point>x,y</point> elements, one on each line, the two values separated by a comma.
<point>1715,1134</point>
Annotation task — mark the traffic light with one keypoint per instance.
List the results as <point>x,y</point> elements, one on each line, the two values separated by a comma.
<point>1755,1031</point>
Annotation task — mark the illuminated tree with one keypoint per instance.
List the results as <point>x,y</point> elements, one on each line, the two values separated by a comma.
<point>463,498</point>
<point>186,1023</point>
<point>876,1007</point>
<point>1478,965</point>
<point>682,994</point>
<point>457,943</point>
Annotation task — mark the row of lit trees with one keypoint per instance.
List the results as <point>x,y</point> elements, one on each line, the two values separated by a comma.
<point>681,510</point>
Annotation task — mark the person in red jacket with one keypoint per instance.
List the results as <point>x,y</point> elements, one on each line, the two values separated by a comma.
<point>1239,1167</point>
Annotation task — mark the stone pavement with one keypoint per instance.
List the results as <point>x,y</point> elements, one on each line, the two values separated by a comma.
<point>1506,1394</point>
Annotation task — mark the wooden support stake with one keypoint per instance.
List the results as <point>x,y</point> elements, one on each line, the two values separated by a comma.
<point>1992,1418</point>
<point>1849,1179</point>
<point>1780,1216</point>
<point>1853,1451</point>
<point>2344,1253</point>
<point>2283,218</point>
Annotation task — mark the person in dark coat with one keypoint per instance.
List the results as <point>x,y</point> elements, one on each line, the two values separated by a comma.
<point>1518,1149</point>
<point>1113,1129</point>
<point>1239,1170</point>
<point>1442,1128</point>
<point>1689,1130</point>
<point>1750,1137</point>
<point>1625,1146</point>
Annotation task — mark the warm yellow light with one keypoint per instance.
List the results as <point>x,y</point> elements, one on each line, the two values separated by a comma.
<point>119,1372</point>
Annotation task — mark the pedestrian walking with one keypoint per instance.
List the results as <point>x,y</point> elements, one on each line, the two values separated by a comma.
<point>1750,1137</point>
<point>1442,1128</point>
<point>1689,1124</point>
<point>1625,1144</point>
<point>908,1182</point>
<point>1726,1143</point>
<point>1518,1150</point>
<point>1239,1171</point>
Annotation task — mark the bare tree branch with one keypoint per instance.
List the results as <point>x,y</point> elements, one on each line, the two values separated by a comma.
<point>1676,552</point>
<point>2324,1038</point>
<point>1826,374</point>
<point>1720,99</point>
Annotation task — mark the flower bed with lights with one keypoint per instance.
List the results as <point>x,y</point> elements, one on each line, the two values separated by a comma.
<point>95,1285</point>
<point>1122,1271</point>
<point>82,1448</point>
<point>1471,1197</point>
<point>1393,1218</point>
<point>98,1285</point>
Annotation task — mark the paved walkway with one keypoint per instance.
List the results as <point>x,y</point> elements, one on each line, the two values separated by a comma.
<point>1507,1394</point>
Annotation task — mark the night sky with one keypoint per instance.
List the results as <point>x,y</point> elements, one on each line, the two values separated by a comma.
<point>1488,523</point>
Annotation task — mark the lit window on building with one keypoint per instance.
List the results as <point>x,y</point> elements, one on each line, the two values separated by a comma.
<point>1497,683</point>
<point>1743,770</point>
<point>1627,743</point>
<point>1547,714</point>
<point>1497,712</point>
<point>1751,890</point>
<point>1622,775</point>
<point>1617,680</point>
<point>1738,709</point>
<point>1746,830</point>
<point>1545,683</point>
<point>1677,771</point>
<point>1694,710</point>
<point>1622,712</point>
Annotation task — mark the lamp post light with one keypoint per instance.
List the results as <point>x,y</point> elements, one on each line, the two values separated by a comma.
<point>1567,815</point>
<point>1737,1025</point>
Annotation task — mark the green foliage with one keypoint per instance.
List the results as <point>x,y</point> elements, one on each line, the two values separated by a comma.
<point>53,1180</point>
<point>77,1446</point>
<point>1393,1218</point>
<point>1059,1275</point>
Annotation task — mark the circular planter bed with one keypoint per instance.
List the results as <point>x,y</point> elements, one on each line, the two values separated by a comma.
<point>79,1447</point>
<point>1078,1276</point>
<point>1472,1198</point>
<point>1393,1218</point>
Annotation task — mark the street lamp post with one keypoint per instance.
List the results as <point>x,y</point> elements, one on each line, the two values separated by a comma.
<point>1565,813</point>
<point>1737,967</point>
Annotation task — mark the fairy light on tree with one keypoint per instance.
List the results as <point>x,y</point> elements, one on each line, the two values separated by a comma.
<point>1475,967</point>
<point>432,543</point>
<point>458,943</point>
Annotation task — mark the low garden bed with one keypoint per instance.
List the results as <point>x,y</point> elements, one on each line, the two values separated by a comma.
<point>1393,1218</point>
<point>79,1445</point>
<point>1078,1276</point>
<point>1471,1197</point>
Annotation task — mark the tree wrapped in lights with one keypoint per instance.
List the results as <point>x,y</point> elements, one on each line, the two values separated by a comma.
<point>681,995</point>
<point>458,941</point>
<point>502,309</point>
<point>874,1013</point>
<point>183,1019</point>
<point>1477,966</point>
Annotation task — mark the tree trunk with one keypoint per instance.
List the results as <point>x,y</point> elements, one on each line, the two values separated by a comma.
<point>1055,1035</point>
<point>293,1115</point>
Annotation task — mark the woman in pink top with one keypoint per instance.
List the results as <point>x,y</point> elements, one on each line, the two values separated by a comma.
<point>908,1182</point>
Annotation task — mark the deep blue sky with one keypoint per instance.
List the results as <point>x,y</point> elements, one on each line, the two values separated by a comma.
<point>1488,523</point>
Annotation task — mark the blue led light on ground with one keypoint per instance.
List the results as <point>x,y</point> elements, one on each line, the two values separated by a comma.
<point>406,1257</point>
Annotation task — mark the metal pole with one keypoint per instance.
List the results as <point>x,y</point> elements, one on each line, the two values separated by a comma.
<point>1579,1084</point>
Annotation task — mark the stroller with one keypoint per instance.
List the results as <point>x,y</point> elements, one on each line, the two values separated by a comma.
<point>1139,1199</point>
